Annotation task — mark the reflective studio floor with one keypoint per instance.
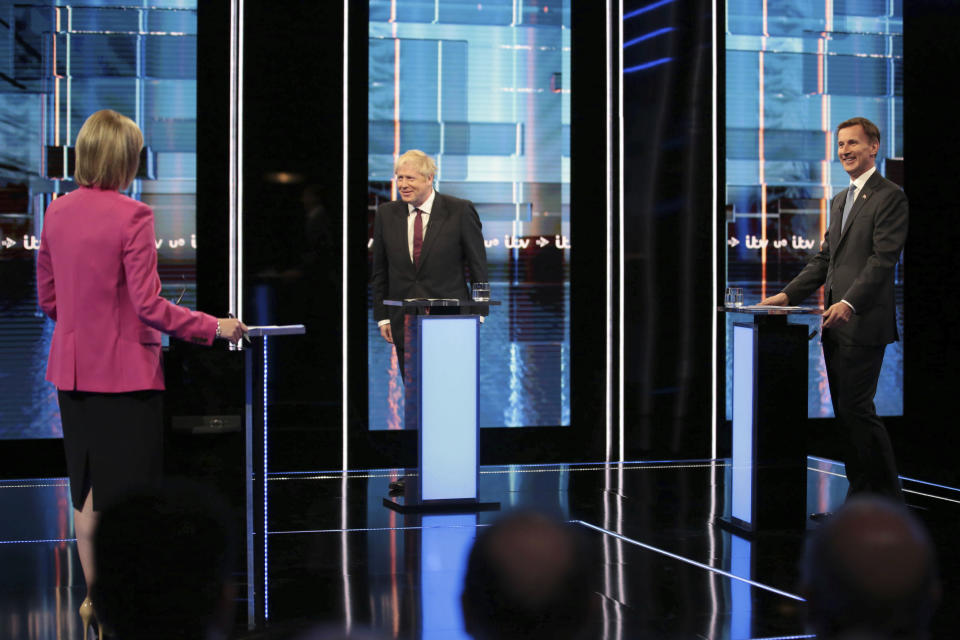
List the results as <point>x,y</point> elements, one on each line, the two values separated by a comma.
<point>337,555</point>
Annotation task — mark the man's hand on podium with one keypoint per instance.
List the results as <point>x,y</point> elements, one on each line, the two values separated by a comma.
<point>386,332</point>
<point>778,300</point>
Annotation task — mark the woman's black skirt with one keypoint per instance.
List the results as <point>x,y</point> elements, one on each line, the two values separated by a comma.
<point>113,442</point>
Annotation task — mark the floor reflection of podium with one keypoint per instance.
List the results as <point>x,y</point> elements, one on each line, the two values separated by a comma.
<point>441,401</point>
<point>769,460</point>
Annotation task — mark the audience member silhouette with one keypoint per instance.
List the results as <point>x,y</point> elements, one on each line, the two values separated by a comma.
<point>164,559</point>
<point>529,576</point>
<point>870,572</point>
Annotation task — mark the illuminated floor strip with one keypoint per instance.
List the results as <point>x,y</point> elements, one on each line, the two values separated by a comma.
<point>42,540</point>
<point>827,473</point>
<point>32,485</point>
<point>930,484</point>
<point>930,495</point>
<point>694,563</point>
<point>380,473</point>
<point>786,637</point>
<point>541,465</point>
<point>918,493</point>
<point>365,530</point>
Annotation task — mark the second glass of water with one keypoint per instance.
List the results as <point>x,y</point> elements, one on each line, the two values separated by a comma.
<point>480,291</point>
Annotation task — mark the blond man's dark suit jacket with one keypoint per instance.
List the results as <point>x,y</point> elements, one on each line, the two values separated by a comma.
<point>452,243</point>
<point>858,264</point>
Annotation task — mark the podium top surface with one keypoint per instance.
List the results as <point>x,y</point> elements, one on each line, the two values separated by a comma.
<point>276,330</point>
<point>420,303</point>
<point>770,310</point>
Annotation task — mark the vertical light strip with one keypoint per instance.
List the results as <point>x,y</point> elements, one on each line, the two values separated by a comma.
<point>344,325</point>
<point>56,90</point>
<point>232,171</point>
<point>265,538</point>
<point>68,72</point>
<point>620,348</point>
<point>138,78</point>
<point>608,448</point>
<point>621,563</point>
<point>344,545</point>
<point>239,247</point>
<point>824,123</point>
<point>443,132</point>
<point>714,254</point>
<point>762,167</point>
<point>396,106</point>
<point>713,533</point>
<point>343,239</point>
<point>607,580</point>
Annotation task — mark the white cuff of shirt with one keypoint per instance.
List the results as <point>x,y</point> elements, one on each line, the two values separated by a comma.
<point>852,308</point>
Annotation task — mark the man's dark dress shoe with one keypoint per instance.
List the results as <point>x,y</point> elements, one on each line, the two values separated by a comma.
<point>398,487</point>
<point>823,516</point>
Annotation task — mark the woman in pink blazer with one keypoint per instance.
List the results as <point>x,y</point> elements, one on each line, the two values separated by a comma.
<point>97,279</point>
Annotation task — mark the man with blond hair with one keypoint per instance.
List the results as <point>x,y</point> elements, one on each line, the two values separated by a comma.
<point>422,246</point>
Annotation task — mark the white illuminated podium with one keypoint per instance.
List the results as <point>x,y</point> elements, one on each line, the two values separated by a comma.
<point>768,477</point>
<point>441,401</point>
<point>256,427</point>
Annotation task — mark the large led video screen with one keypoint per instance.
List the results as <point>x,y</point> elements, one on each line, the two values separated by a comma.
<point>58,64</point>
<point>794,71</point>
<point>484,88</point>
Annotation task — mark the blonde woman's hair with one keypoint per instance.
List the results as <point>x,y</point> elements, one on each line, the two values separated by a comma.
<point>418,161</point>
<point>108,151</point>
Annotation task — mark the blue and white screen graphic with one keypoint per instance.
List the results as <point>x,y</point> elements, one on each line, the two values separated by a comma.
<point>58,64</point>
<point>795,69</point>
<point>484,88</point>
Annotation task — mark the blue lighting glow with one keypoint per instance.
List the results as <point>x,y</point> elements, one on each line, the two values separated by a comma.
<point>443,565</point>
<point>741,604</point>
<point>647,36</point>
<point>649,7</point>
<point>741,489</point>
<point>647,65</point>
<point>448,407</point>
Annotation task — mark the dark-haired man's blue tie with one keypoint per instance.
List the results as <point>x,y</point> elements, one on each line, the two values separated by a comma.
<point>851,198</point>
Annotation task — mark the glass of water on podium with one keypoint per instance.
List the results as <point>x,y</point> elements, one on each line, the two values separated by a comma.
<point>480,291</point>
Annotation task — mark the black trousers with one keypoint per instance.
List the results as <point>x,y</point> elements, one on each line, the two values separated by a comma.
<point>853,372</point>
<point>113,443</point>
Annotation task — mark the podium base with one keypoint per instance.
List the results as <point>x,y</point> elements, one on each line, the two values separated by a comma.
<point>735,526</point>
<point>402,505</point>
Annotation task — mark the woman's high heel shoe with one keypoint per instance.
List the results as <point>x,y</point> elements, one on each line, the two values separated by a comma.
<point>88,615</point>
